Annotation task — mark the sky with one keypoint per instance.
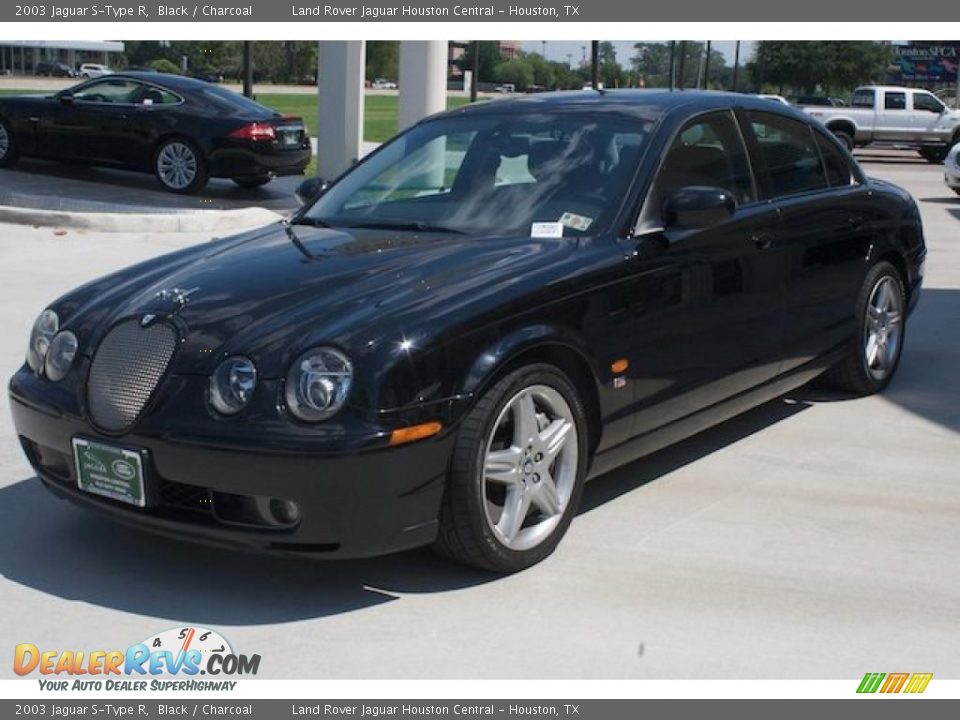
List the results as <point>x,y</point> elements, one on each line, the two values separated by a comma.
<point>558,49</point>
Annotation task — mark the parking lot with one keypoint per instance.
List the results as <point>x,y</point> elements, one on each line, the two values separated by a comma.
<point>814,537</point>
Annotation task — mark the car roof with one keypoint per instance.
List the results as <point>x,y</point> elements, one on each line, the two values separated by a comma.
<point>645,104</point>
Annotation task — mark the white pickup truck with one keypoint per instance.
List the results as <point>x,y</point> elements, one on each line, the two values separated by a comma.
<point>900,115</point>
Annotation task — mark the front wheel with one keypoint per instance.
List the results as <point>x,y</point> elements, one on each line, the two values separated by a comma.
<point>881,315</point>
<point>845,138</point>
<point>8,145</point>
<point>517,472</point>
<point>180,167</point>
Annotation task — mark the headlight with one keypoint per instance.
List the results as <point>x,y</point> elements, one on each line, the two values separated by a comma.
<point>44,329</point>
<point>318,384</point>
<point>60,355</point>
<point>232,385</point>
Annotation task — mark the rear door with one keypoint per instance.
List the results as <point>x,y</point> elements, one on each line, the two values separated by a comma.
<point>893,117</point>
<point>706,302</point>
<point>827,220</point>
<point>925,115</point>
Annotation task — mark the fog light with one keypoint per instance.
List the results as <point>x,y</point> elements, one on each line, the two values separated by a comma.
<point>285,512</point>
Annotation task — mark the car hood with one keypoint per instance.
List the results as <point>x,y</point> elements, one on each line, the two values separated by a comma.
<point>274,293</point>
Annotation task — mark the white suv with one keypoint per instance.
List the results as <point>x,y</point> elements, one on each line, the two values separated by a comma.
<point>94,70</point>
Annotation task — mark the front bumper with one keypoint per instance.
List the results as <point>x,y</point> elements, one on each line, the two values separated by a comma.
<point>358,504</point>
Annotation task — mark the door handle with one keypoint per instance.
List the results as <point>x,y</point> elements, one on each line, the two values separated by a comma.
<point>762,240</point>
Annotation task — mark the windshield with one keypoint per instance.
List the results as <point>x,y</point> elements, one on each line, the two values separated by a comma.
<point>493,175</point>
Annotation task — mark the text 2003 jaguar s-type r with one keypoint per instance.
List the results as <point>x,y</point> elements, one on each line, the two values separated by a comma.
<point>500,303</point>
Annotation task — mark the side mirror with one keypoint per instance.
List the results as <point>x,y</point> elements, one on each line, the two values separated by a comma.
<point>66,97</point>
<point>698,206</point>
<point>310,189</point>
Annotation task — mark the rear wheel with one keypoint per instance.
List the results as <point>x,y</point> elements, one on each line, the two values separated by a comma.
<point>8,145</point>
<point>935,155</point>
<point>253,181</point>
<point>517,472</point>
<point>180,167</point>
<point>844,137</point>
<point>881,314</point>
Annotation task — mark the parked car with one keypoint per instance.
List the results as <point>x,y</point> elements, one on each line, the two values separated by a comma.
<point>505,88</point>
<point>93,70</point>
<point>54,69</point>
<point>384,84</point>
<point>951,174</point>
<point>819,100</point>
<point>905,116</point>
<point>443,346</point>
<point>185,131</point>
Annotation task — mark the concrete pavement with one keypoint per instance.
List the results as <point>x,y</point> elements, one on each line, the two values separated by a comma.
<point>814,537</point>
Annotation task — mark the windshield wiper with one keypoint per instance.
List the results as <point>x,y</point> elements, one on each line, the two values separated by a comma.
<point>403,226</point>
<point>312,222</point>
<point>298,243</point>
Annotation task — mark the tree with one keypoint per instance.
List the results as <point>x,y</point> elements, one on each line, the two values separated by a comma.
<point>517,71</point>
<point>383,59</point>
<point>808,67</point>
<point>489,57</point>
<point>162,65</point>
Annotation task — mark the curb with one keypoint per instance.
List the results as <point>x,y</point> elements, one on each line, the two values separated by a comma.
<point>197,221</point>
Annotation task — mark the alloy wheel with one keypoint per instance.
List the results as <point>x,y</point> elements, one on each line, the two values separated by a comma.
<point>177,165</point>
<point>883,327</point>
<point>530,467</point>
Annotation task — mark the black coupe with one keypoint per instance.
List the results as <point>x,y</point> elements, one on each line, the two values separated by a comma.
<point>185,131</point>
<point>500,303</point>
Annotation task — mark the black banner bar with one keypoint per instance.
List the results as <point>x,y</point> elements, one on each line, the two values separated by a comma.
<point>476,11</point>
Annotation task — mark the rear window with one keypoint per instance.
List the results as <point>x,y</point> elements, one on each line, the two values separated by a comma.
<point>789,153</point>
<point>229,101</point>
<point>895,101</point>
<point>862,99</point>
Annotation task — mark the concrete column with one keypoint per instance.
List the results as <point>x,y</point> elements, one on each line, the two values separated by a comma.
<point>341,67</point>
<point>423,80</point>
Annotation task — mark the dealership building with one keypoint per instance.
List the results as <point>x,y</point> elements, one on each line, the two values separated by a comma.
<point>21,57</point>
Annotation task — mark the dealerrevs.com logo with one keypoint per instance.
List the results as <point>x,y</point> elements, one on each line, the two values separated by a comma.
<point>889,683</point>
<point>154,664</point>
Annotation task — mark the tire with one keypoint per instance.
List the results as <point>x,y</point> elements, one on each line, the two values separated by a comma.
<point>845,138</point>
<point>479,505</point>
<point>180,166</point>
<point>857,373</point>
<point>935,155</point>
<point>254,181</point>
<point>8,145</point>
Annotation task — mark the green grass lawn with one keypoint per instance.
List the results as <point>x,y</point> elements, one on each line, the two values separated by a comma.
<point>380,112</point>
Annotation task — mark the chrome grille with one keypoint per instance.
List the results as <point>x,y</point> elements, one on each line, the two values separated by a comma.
<point>125,371</point>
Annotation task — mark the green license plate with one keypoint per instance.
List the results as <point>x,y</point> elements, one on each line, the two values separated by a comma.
<point>114,472</point>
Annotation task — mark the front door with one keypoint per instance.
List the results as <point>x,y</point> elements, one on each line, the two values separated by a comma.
<point>706,302</point>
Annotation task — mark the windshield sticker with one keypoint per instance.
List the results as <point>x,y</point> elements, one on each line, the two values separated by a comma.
<point>546,230</point>
<point>577,222</point>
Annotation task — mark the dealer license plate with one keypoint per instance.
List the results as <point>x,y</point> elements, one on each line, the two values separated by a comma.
<point>110,471</point>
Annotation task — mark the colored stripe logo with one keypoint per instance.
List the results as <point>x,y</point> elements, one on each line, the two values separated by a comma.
<point>894,682</point>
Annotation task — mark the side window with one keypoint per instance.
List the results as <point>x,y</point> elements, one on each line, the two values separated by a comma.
<point>839,172</point>
<point>708,151</point>
<point>158,96</point>
<point>895,101</point>
<point>925,101</point>
<point>788,150</point>
<point>862,99</point>
<point>110,91</point>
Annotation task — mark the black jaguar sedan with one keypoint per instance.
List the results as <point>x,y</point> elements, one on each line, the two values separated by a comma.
<point>499,304</point>
<point>185,131</point>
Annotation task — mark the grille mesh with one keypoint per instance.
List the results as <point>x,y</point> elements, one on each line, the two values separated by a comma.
<point>125,371</point>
